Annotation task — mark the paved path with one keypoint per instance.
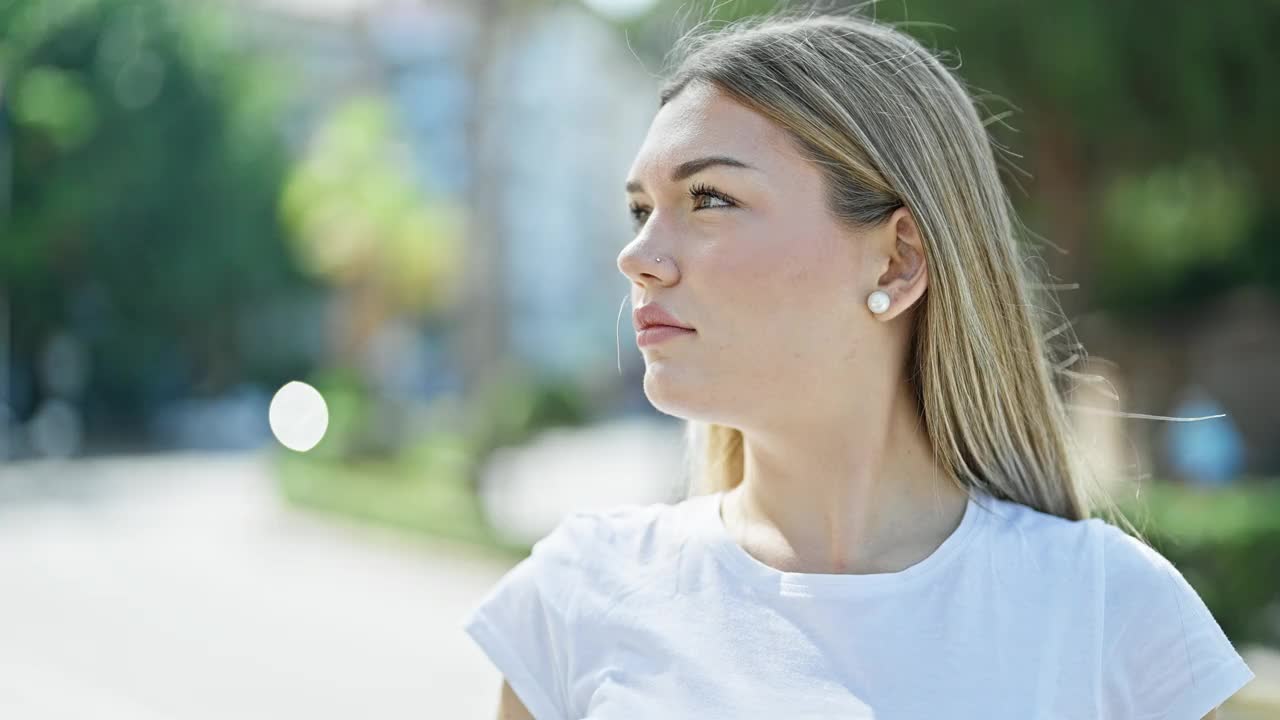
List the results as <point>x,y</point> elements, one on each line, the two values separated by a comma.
<point>179,587</point>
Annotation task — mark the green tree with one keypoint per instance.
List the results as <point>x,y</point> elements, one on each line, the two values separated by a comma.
<point>144,174</point>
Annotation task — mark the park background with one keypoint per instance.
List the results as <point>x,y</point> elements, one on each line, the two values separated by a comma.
<point>415,207</point>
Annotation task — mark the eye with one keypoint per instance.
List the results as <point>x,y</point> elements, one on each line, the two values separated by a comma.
<point>639,214</point>
<point>700,191</point>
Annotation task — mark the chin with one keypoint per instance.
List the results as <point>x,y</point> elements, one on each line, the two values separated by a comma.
<point>681,399</point>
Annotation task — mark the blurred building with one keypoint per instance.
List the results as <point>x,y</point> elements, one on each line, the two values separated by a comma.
<point>531,115</point>
<point>574,109</point>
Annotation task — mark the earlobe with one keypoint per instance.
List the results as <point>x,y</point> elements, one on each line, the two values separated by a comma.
<point>879,301</point>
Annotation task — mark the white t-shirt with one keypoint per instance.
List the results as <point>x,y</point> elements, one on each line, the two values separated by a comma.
<point>654,611</point>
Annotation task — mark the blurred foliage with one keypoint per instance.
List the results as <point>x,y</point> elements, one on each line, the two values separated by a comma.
<point>426,489</point>
<point>360,218</point>
<point>145,174</point>
<point>349,399</point>
<point>1227,543</point>
<point>1148,129</point>
<point>1174,222</point>
<point>428,485</point>
<point>518,403</point>
<point>361,222</point>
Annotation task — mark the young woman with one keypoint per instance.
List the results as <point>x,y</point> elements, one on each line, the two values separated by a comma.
<point>888,518</point>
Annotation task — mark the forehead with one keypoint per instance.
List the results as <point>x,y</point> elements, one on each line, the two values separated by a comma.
<point>700,121</point>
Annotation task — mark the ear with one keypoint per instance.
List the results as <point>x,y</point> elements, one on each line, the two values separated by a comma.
<point>900,250</point>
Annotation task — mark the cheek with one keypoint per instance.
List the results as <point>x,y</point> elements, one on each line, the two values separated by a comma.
<point>774,284</point>
<point>751,273</point>
<point>801,269</point>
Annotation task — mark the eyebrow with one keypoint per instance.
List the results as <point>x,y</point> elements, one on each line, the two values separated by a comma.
<point>692,167</point>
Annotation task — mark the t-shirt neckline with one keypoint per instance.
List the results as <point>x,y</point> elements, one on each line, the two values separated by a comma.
<point>782,582</point>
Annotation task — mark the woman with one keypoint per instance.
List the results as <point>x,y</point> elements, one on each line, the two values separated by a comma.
<point>888,518</point>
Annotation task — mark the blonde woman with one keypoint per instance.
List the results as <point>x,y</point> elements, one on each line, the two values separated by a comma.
<point>886,516</point>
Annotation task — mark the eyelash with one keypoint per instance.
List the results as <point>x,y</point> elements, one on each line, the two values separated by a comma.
<point>696,191</point>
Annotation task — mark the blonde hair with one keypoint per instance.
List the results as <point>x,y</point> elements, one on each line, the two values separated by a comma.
<point>890,126</point>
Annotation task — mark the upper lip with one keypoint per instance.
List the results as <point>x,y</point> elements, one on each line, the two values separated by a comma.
<point>654,314</point>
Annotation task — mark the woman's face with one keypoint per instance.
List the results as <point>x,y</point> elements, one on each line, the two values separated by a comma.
<point>773,286</point>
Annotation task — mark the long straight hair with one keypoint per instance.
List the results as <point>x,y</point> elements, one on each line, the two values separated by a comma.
<point>889,125</point>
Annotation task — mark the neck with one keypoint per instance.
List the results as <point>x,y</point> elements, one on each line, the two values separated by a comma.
<point>838,500</point>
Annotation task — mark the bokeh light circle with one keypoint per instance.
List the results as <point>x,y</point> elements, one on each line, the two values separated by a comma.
<point>298,416</point>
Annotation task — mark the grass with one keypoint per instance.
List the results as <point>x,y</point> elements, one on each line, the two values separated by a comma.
<point>427,490</point>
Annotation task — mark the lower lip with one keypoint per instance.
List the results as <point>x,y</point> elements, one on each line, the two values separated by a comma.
<point>658,333</point>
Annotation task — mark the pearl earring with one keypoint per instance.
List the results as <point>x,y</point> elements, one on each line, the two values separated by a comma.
<point>878,301</point>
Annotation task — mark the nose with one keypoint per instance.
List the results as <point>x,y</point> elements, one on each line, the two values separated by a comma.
<point>644,266</point>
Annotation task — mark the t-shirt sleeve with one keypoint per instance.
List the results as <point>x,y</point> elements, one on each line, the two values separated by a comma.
<point>1165,656</point>
<point>524,622</point>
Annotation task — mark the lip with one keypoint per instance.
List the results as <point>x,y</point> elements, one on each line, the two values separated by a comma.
<point>659,333</point>
<point>653,314</point>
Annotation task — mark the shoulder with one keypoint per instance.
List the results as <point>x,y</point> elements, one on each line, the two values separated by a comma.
<point>601,538</point>
<point>1163,652</point>
<point>636,532</point>
<point>615,550</point>
<point>1141,594</point>
<point>1126,565</point>
<point>1142,585</point>
<point>1043,541</point>
<point>1147,600</point>
<point>1014,518</point>
<point>1131,564</point>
